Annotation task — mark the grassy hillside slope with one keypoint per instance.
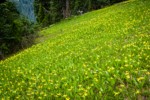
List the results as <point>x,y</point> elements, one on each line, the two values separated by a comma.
<point>104,54</point>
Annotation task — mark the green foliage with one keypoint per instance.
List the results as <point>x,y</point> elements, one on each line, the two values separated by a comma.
<point>75,7</point>
<point>51,14</point>
<point>99,55</point>
<point>7,15</point>
<point>47,12</point>
<point>51,11</point>
<point>12,29</point>
<point>40,14</point>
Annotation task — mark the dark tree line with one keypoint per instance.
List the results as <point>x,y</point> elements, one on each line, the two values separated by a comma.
<point>51,11</point>
<point>15,31</point>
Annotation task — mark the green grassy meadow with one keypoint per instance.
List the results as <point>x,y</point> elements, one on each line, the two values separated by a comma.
<point>100,55</point>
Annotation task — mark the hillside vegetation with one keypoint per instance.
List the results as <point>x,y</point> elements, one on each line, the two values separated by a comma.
<point>104,54</point>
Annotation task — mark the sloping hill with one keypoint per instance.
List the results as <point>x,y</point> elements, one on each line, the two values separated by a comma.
<point>104,54</point>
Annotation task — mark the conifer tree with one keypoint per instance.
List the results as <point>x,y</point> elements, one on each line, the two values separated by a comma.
<point>40,15</point>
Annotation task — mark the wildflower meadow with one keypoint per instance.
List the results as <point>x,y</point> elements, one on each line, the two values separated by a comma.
<point>103,54</point>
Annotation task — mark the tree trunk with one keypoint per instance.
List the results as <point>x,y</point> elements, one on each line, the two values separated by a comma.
<point>1,55</point>
<point>67,11</point>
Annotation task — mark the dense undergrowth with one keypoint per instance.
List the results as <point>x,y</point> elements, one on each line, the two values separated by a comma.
<point>104,54</point>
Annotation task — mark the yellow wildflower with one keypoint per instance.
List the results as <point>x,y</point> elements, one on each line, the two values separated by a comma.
<point>137,92</point>
<point>140,78</point>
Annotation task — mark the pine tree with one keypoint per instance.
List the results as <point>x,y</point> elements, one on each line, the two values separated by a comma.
<point>40,15</point>
<point>89,5</point>
<point>53,10</point>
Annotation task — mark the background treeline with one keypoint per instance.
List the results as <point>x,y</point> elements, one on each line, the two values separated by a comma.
<point>16,32</point>
<point>51,11</point>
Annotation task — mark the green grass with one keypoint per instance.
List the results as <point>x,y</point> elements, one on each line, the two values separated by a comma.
<point>104,54</point>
